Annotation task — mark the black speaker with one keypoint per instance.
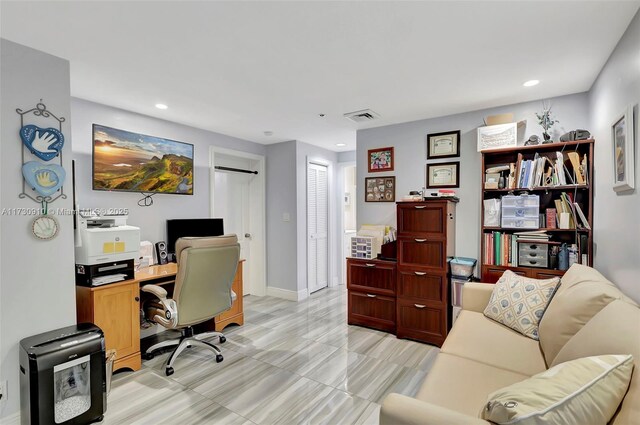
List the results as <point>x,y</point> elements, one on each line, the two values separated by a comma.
<point>161,252</point>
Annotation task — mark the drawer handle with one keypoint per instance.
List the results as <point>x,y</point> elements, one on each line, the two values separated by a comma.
<point>534,247</point>
<point>420,273</point>
<point>533,254</point>
<point>419,207</point>
<point>419,305</point>
<point>370,265</point>
<point>420,240</point>
<point>371,296</point>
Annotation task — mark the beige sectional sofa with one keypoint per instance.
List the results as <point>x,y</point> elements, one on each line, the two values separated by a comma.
<point>588,316</point>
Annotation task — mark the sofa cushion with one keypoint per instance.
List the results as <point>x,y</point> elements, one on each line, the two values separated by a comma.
<point>519,302</point>
<point>476,337</point>
<point>463,385</point>
<point>614,330</point>
<point>581,295</point>
<point>581,391</point>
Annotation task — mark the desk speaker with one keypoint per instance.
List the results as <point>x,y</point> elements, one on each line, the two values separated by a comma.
<point>161,252</point>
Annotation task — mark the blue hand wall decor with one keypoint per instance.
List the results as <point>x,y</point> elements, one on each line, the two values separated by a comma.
<point>45,143</point>
<point>45,179</point>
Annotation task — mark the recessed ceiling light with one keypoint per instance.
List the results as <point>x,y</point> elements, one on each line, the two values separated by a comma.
<point>161,106</point>
<point>341,145</point>
<point>268,133</point>
<point>531,83</point>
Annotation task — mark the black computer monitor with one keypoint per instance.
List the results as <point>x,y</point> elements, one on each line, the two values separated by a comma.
<point>198,227</point>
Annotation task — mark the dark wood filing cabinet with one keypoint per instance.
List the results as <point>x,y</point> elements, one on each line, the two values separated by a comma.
<point>426,237</point>
<point>371,286</point>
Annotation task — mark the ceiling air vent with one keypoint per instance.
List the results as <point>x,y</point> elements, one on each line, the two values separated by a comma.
<point>362,116</point>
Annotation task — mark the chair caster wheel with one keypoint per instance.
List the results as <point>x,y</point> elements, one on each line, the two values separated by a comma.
<point>169,371</point>
<point>223,339</point>
<point>219,358</point>
<point>148,356</point>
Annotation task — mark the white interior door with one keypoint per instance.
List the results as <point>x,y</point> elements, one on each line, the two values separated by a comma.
<point>232,202</point>
<point>317,226</point>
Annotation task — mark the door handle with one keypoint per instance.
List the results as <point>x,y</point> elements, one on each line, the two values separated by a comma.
<point>371,296</point>
<point>420,273</point>
<point>419,207</point>
<point>370,265</point>
<point>137,298</point>
<point>247,235</point>
<point>419,305</point>
<point>420,240</point>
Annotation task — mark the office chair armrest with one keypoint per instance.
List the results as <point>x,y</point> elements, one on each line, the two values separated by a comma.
<point>169,317</point>
<point>156,290</point>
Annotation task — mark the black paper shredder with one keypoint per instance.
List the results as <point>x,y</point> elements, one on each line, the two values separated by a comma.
<point>62,376</point>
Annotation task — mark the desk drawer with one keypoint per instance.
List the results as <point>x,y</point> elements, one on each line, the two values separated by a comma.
<point>372,310</point>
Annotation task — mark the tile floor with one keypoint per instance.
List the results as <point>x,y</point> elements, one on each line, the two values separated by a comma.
<point>291,363</point>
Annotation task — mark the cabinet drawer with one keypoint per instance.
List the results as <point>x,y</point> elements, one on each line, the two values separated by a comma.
<point>422,285</point>
<point>532,261</point>
<point>372,276</point>
<point>491,274</point>
<point>421,252</point>
<point>375,311</point>
<point>422,218</point>
<point>548,274</point>
<point>421,322</point>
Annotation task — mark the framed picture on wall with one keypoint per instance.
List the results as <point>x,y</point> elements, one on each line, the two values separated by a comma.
<point>443,175</point>
<point>443,145</point>
<point>380,189</point>
<point>380,159</point>
<point>623,149</point>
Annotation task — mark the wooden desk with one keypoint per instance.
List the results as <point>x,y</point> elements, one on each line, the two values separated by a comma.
<point>115,308</point>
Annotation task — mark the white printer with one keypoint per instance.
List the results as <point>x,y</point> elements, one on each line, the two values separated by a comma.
<point>106,248</point>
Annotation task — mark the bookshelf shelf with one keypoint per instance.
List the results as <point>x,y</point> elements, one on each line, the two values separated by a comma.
<point>582,194</point>
<point>541,189</point>
<point>517,230</point>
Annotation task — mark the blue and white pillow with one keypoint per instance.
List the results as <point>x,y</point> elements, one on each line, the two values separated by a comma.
<point>520,302</point>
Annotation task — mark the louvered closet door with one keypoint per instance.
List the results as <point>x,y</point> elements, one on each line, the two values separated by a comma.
<point>317,226</point>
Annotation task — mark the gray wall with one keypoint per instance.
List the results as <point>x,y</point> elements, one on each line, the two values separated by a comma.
<point>151,220</point>
<point>37,291</point>
<point>409,140</point>
<point>306,152</point>
<point>349,156</point>
<point>281,199</point>
<point>617,216</point>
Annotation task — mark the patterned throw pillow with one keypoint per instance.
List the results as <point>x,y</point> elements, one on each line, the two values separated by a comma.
<point>519,302</point>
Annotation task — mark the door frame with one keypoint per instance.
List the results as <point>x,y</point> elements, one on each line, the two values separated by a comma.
<point>330,220</point>
<point>344,252</point>
<point>257,265</point>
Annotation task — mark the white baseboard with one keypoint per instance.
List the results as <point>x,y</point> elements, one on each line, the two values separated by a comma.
<point>303,294</point>
<point>287,294</point>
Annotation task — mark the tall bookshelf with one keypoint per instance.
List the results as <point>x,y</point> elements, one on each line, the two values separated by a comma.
<point>581,193</point>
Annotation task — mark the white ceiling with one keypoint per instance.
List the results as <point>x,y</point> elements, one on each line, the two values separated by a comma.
<point>242,68</point>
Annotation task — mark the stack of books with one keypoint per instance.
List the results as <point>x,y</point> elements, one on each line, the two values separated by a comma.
<point>501,249</point>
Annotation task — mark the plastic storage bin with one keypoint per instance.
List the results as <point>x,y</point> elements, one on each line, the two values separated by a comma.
<point>521,212</point>
<point>462,266</point>
<point>520,201</point>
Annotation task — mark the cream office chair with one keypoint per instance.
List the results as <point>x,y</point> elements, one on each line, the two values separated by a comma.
<point>206,269</point>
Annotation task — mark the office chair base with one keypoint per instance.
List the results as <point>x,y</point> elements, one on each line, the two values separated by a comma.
<point>187,340</point>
